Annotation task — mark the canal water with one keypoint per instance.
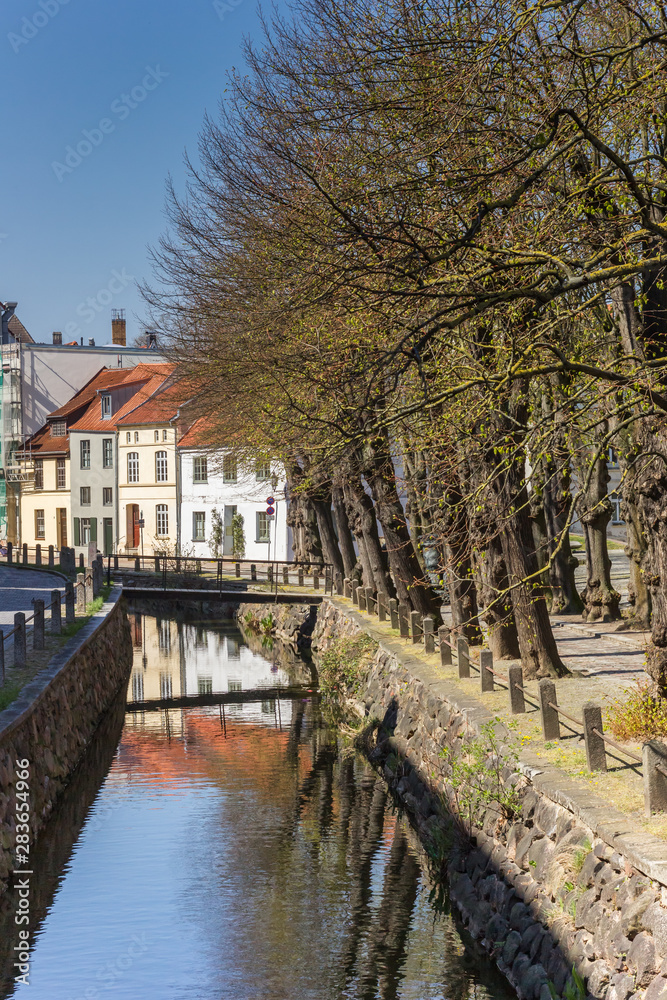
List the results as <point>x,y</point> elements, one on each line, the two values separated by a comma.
<point>202,854</point>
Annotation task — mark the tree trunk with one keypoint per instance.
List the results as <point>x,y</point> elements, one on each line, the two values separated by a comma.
<point>302,519</point>
<point>497,611</point>
<point>322,504</point>
<point>345,541</point>
<point>460,579</point>
<point>636,550</point>
<point>601,601</point>
<point>361,516</point>
<point>565,599</point>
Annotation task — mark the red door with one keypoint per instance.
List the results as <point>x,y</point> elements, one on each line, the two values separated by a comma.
<point>135,528</point>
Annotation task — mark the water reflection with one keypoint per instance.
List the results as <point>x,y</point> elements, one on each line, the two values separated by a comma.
<point>242,855</point>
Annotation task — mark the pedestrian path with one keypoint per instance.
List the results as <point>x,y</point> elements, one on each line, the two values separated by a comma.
<point>599,651</point>
<point>18,587</point>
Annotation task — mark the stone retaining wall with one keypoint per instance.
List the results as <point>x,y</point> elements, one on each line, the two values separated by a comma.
<point>55,716</point>
<point>552,887</point>
<point>291,622</point>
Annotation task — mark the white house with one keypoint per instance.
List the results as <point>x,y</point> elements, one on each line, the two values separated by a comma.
<point>213,484</point>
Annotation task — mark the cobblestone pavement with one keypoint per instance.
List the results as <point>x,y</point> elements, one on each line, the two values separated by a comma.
<point>600,652</point>
<point>17,589</point>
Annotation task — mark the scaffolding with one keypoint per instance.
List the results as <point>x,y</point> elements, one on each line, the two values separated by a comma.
<point>13,471</point>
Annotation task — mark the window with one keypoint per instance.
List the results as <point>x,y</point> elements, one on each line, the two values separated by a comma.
<point>160,467</point>
<point>616,508</point>
<point>612,457</point>
<point>107,453</point>
<point>204,685</point>
<point>262,470</point>
<point>164,435</point>
<point>128,437</point>
<point>39,473</point>
<point>84,495</point>
<point>262,527</point>
<point>165,686</point>
<point>234,685</point>
<point>200,470</point>
<point>199,526</point>
<point>85,454</point>
<point>61,476</point>
<point>164,635</point>
<point>39,524</point>
<point>136,437</point>
<point>229,473</point>
<point>106,406</point>
<point>133,467</point>
<point>137,687</point>
<point>58,428</point>
<point>161,519</point>
<point>85,530</point>
<point>107,496</point>
<point>157,435</point>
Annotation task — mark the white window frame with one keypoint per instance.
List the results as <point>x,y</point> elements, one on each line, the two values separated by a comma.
<point>230,472</point>
<point>133,466</point>
<point>199,517</point>
<point>109,451</point>
<point>258,520</point>
<point>161,520</point>
<point>61,467</point>
<point>161,467</point>
<point>199,463</point>
<point>84,452</point>
<point>85,530</point>
<point>84,496</point>
<point>40,523</point>
<point>107,490</point>
<point>106,406</point>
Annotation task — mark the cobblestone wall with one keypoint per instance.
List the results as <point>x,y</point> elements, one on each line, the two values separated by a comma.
<point>291,622</point>
<point>540,891</point>
<point>55,716</point>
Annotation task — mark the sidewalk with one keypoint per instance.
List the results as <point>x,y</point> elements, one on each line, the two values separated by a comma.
<point>18,587</point>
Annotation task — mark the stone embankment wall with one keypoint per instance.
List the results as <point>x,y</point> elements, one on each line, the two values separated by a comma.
<point>55,716</point>
<point>291,622</point>
<point>545,890</point>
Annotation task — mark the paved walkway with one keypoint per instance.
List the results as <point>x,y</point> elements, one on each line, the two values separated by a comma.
<point>19,586</point>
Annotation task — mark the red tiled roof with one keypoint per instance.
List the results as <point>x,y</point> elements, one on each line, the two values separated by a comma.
<point>198,435</point>
<point>159,405</point>
<point>146,378</point>
<point>44,443</point>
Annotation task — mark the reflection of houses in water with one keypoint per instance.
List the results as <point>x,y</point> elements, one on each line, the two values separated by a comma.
<point>172,659</point>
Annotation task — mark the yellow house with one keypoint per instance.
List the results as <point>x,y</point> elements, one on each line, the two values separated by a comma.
<point>45,500</point>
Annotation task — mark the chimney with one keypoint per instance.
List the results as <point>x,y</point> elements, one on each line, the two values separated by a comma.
<point>118,331</point>
<point>57,337</point>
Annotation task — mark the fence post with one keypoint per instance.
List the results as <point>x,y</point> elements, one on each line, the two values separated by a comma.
<point>403,621</point>
<point>428,626</point>
<point>286,576</point>
<point>137,564</point>
<point>382,607</point>
<point>157,564</point>
<point>115,562</point>
<point>550,722</point>
<point>300,576</point>
<point>370,600</point>
<point>339,585</point>
<point>88,583</point>
<point>69,602</point>
<point>38,623</point>
<point>80,594</point>
<point>269,574</point>
<point>515,683</point>
<point>237,568</point>
<point>51,557</point>
<point>463,657</point>
<point>596,755</point>
<point>347,588</point>
<point>81,562</point>
<point>56,612</point>
<point>253,572</point>
<point>486,670</point>
<point>361,598</point>
<point>316,580</point>
<point>445,648</point>
<point>655,781</point>
<point>416,626</point>
<point>19,640</point>
<point>2,656</point>
<point>393,612</point>
<point>25,553</point>
<point>38,554</point>
<point>10,552</point>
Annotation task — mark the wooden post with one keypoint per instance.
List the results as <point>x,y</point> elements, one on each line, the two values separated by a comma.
<point>25,553</point>
<point>515,679</point>
<point>416,627</point>
<point>361,598</point>
<point>51,557</point>
<point>355,595</point>
<point>10,552</point>
<point>428,626</point>
<point>403,621</point>
<point>253,572</point>
<point>269,573</point>
<point>596,755</point>
<point>81,562</point>
<point>462,657</point>
<point>237,568</point>
<point>393,613</point>
<point>38,554</point>
<point>382,607</point>
<point>286,576</point>
<point>654,754</point>
<point>19,640</point>
<point>485,670</point>
<point>115,562</point>
<point>88,584</point>
<point>370,600</point>
<point>316,580</point>
<point>80,594</point>
<point>347,588</point>
<point>339,585</point>
<point>56,613</point>
<point>300,576</point>
<point>444,638</point>
<point>550,722</point>
<point>69,602</point>
<point>38,623</point>
<point>157,564</point>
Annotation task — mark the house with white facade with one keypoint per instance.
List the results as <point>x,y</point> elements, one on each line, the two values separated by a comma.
<point>214,484</point>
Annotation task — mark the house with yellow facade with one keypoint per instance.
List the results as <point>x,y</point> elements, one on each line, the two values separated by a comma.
<point>45,499</point>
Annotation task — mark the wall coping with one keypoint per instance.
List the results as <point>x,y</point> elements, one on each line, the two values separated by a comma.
<point>644,851</point>
<point>32,693</point>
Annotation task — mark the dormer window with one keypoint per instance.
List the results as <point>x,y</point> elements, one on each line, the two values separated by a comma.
<point>106,406</point>
<point>58,428</point>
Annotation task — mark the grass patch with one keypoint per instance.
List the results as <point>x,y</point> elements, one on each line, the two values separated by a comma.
<point>8,694</point>
<point>342,667</point>
<point>640,716</point>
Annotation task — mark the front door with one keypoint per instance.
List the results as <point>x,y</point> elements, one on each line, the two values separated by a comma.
<point>108,536</point>
<point>228,543</point>
<point>61,522</point>
<point>133,531</point>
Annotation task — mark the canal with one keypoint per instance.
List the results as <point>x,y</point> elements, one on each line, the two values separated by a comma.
<point>209,852</point>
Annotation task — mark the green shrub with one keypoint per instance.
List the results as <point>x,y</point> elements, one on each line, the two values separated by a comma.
<point>640,717</point>
<point>343,666</point>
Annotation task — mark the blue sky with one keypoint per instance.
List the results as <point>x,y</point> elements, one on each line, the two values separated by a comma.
<point>75,223</point>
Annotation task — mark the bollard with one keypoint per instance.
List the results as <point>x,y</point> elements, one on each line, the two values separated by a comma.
<point>157,564</point>
<point>550,723</point>
<point>393,612</point>
<point>339,585</point>
<point>69,602</point>
<point>19,640</point>
<point>361,598</point>
<point>24,548</point>
<point>486,670</point>
<point>237,569</point>
<point>355,596</point>
<point>316,580</point>
<point>403,621</point>
<point>286,576</point>
<point>347,588</point>
<point>370,600</point>
<point>463,657</point>
<point>382,606</point>
<point>2,656</point>
<point>253,572</point>
<point>515,679</point>
<point>88,584</point>
<point>300,576</point>
<point>428,626</point>
<point>444,638</point>
<point>654,754</point>
<point>137,564</point>
<point>51,557</point>
<point>10,551</point>
<point>81,562</point>
<point>416,629</point>
<point>115,562</point>
<point>80,594</point>
<point>38,624</point>
<point>95,578</point>
<point>269,574</point>
<point>596,755</point>
<point>56,612</point>
<point>38,554</point>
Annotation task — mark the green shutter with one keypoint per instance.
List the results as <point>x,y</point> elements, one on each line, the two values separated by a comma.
<point>77,531</point>
<point>93,529</point>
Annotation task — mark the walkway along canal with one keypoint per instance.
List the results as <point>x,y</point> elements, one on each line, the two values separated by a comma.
<point>232,850</point>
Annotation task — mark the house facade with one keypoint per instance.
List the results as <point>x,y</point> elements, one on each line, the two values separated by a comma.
<point>45,498</point>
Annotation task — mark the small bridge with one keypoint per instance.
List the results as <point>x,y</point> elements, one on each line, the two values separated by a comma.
<point>222,596</point>
<point>226,698</point>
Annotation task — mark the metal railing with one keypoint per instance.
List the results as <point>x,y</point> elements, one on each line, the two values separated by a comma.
<point>454,650</point>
